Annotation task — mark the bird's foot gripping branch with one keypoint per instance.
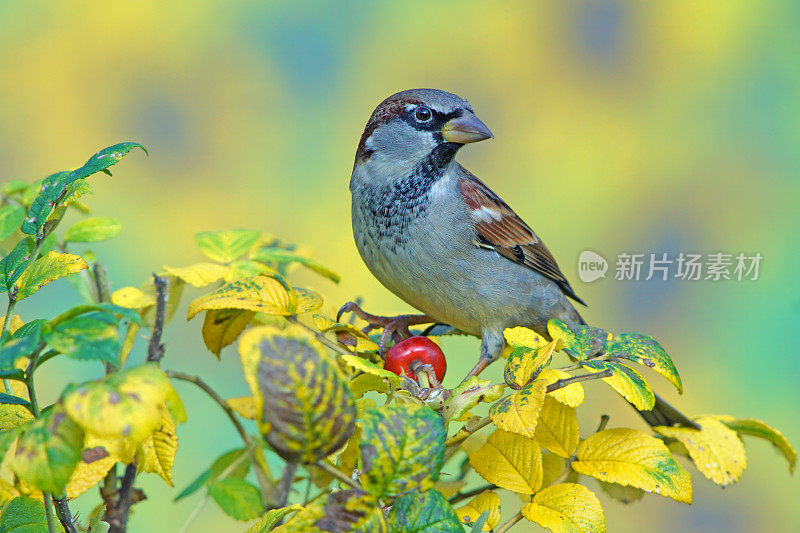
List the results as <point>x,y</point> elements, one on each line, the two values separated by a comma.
<point>360,448</point>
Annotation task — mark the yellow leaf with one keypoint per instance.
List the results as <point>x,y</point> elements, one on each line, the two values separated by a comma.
<point>519,412</point>
<point>119,448</point>
<point>222,327</point>
<point>485,501</point>
<point>449,488</point>
<point>307,300</point>
<point>571,395</point>
<point>520,336</point>
<point>364,383</point>
<point>557,430</point>
<point>716,450</point>
<point>15,323</point>
<point>132,298</point>
<point>123,404</point>
<point>7,492</point>
<point>157,451</point>
<point>636,459</point>
<point>47,268</point>
<point>511,461</point>
<point>200,274</point>
<point>261,294</point>
<point>754,428</point>
<point>12,415</point>
<point>566,508</point>
<point>626,381</point>
<point>95,464</point>
<point>368,367</point>
<point>524,364</point>
<point>245,406</point>
<point>552,466</point>
<point>346,334</point>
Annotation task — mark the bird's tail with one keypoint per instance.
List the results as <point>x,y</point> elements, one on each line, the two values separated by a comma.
<point>663,414</point>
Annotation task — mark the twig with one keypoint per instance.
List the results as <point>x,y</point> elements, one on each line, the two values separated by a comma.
<point>48,512</point>
<point>603,423</point>
<point>561,383</point>
<point>508,525</point>
<point>470,493</point>
<point>155,350</point>
<point>338,474</point>
<point>263,479</point>
<point>64,515</point>
<point>117,515</point>
<point>319,336</point>
<point>100,278</point>
<point>466,432</point>
<point>285,484</point>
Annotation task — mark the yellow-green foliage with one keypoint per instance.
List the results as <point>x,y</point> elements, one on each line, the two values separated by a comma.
<point>384,453</point>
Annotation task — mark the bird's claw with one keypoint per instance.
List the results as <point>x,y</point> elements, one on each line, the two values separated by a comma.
<point>395,327</point>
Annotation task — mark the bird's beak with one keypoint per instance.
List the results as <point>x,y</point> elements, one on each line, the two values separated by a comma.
<point>465,129</point>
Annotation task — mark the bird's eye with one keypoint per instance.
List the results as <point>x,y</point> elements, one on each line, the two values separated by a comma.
<point>423,114</point>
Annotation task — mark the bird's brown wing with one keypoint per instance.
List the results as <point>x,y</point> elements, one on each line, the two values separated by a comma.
<point>499,228</point>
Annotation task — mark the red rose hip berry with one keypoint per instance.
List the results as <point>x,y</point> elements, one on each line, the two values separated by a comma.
<point>421,349</point>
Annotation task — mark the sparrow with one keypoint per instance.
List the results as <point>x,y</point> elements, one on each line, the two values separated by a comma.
<point>438,237</point>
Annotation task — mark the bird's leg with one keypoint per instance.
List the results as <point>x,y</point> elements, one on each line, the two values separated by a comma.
<point>393,326</point>
<point>491,349</point>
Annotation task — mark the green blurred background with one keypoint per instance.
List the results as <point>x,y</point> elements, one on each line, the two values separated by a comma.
<point>620,126</point>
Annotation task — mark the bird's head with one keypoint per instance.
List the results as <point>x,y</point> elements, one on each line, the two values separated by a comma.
<point>413,127</point>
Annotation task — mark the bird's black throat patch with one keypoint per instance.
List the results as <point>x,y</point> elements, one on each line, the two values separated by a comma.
<point>396,206</point>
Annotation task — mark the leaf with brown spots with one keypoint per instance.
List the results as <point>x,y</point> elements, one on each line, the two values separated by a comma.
<point>124,404</point>
<point>48,451</point>
<point>402,448</point>
<point>344,511</point>
<point>308,410</point>
<point>645,351</point>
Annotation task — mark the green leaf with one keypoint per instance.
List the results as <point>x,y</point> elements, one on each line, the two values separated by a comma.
<point>93,229</point>
<point>759,429</point>
<point>10,399</point>
<point>46,269</point>
<point>88,336</point>
<point>272,517</point>
<point>402,448</point>
<point>12,187</point>
<point>216,469</point>
<point>48,450</point>
<point>237,498</point>
<point>13,350</point>
<point>55,188</point>
<point>11,216</point>
<point>354,511</point>
<point>104,159</point>
<point>423,512</point>
<point>467,395</point>
<point>626,382</point>
<point>645,351</point>
<point>581,342</point>
<point>13,265</point>
<point>50,190</point>
<point>226,246</point>
<point>282,255</point>
<point>308,409</point>
<point>23,515</point>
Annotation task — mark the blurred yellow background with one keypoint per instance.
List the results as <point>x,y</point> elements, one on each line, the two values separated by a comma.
<point>620,126</point>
